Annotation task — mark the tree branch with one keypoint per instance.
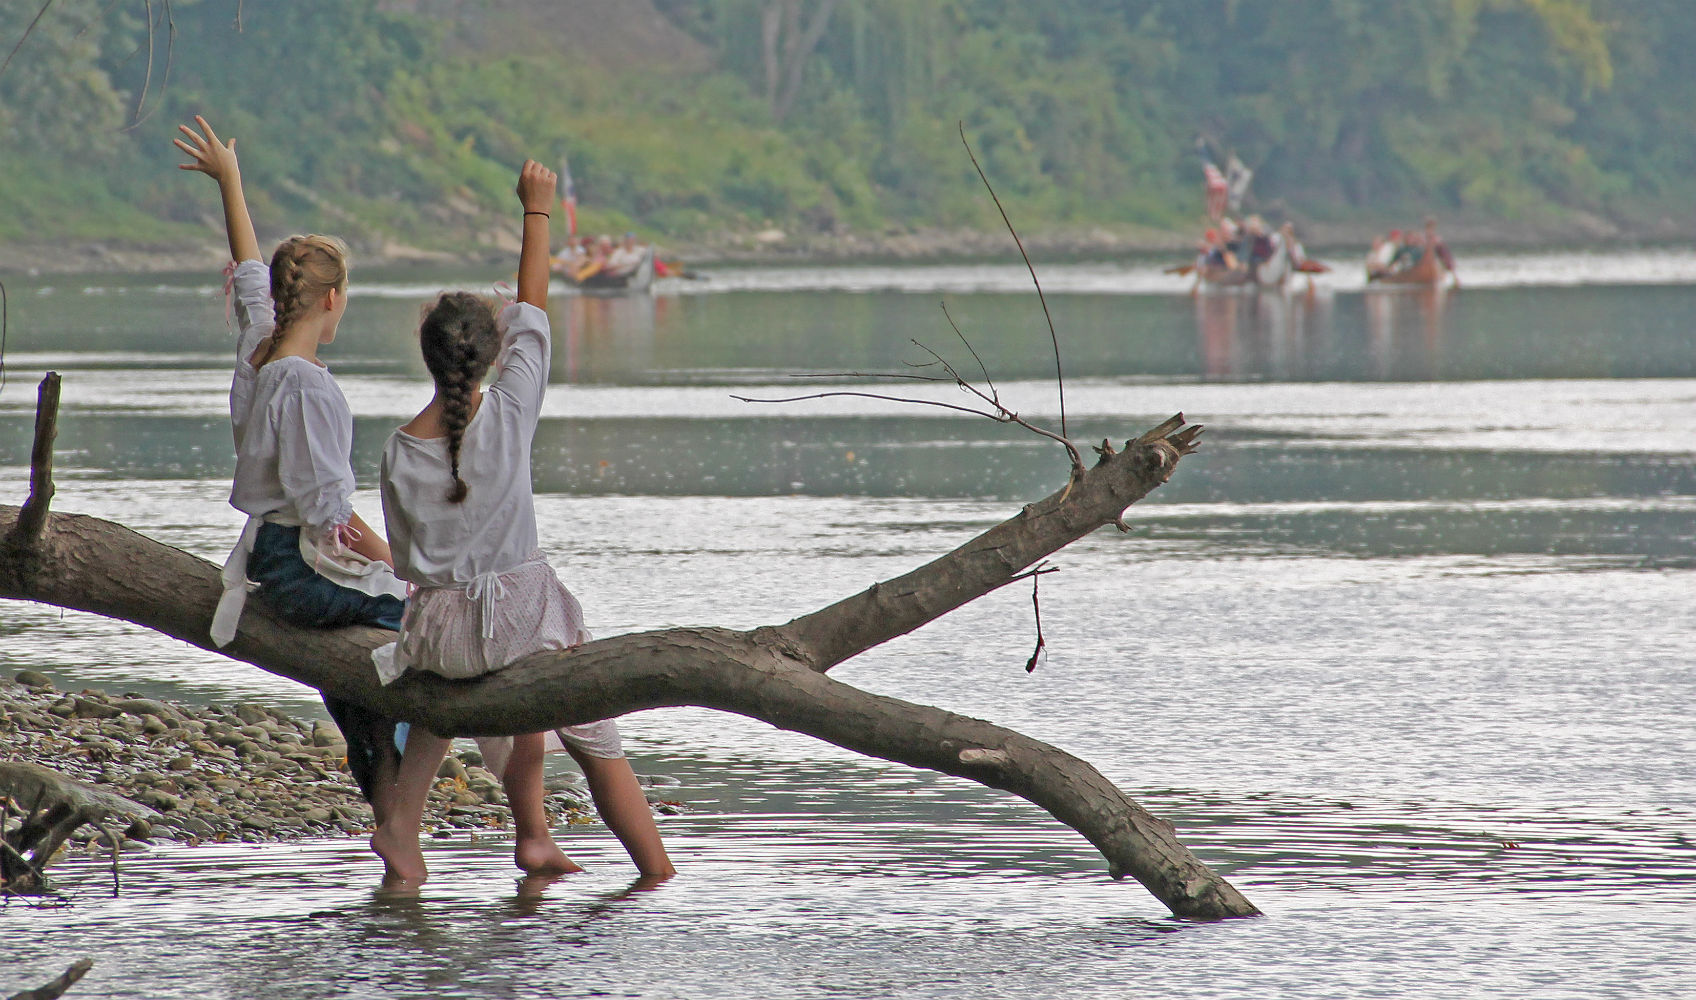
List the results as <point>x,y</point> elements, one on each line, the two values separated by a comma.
<point>775,674</point>
<point>33,515</point>
<point>57,987</point>
<point>995,558</point>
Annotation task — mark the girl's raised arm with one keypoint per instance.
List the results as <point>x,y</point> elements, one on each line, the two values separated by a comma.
<point>217,160</point>
<point>536,193</point>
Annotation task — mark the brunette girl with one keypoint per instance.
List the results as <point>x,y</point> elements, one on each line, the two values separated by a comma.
<point>462,524</point>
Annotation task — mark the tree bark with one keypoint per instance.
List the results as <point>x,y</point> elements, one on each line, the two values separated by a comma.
<point>775,674</point>
<point>57,987</point>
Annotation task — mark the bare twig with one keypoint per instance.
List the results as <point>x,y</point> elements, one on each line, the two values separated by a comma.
<point>904,376</point>
<point>147,76</point>
<point>1036,609</point>
<point>1001,416</point>
<point>1059,376</point>
<point>981,367</point>
<point>33,22</point>
<point>4,321</point>
<point>116,842</point>
<point>96,19</point>
<point>169,17</point>
<point>873,395</point>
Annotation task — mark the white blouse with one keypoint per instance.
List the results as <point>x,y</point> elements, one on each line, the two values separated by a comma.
<point>294,454</point>
<point>293,427</point>
<point>441,544</point>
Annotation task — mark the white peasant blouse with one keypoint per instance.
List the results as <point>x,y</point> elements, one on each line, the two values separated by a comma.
<point>293,427</point>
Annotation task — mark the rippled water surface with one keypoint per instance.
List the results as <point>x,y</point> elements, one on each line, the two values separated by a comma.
<point>1403,650</point>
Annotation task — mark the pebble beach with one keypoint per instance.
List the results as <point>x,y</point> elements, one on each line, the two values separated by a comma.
<point>235,773</point>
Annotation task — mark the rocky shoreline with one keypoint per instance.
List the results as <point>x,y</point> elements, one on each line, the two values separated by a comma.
<point>241,773</point>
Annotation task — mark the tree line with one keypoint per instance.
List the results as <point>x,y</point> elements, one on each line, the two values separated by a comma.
<point>374,117</point>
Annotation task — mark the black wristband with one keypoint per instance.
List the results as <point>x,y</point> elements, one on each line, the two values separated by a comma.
<point>542,214</point>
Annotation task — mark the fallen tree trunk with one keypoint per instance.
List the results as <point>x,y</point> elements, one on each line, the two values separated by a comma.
<point>775,674</point>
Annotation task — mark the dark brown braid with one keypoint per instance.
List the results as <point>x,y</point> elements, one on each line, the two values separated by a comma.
<point>302,269</point>
<point>459,341</point>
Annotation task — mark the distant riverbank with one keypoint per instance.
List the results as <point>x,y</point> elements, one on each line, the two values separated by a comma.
<point>776,246</point>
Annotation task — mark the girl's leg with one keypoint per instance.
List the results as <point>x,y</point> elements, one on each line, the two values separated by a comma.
<point>396,839</point>
<point>624,809</point>
<point>308,600</point>
<point>535,850</point>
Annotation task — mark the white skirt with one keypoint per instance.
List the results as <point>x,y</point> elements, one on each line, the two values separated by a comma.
<point>496,620</point>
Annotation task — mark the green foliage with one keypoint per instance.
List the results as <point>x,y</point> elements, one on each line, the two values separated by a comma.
<point>357,118</point>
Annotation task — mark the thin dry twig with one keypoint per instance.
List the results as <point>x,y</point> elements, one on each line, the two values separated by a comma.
<point>1059,376</point>
<point>1036,610</point>
<point>33,22</point>
<point>169,17</point>
<point>1001,415</point>
<point>981,367</point>
<point>870,395</point>
<point>96,19</point>
<point>5,319</point>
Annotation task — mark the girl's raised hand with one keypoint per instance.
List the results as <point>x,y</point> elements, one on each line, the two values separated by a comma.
<point>536,187</point>
<point>211,156</point>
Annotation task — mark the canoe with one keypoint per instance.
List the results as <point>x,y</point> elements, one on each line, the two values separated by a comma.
<point>1270,273</point>
<point>1429,269</point>
<point>637,281</point>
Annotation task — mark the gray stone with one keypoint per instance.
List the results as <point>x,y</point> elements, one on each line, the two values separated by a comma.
<point>162,801</point>
<point>89,708</point>
<point>144,706</point>
<point>34,679</point>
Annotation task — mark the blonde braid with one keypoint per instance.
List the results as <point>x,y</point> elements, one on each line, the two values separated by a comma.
<point>303,269</point>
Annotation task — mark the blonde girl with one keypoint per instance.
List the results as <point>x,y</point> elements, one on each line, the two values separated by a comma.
<point>314,560</point>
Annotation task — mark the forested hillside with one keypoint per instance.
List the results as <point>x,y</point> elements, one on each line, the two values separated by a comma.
<point>399,121</point>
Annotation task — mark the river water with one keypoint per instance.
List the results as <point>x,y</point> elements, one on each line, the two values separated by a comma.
<point>1403,650</point>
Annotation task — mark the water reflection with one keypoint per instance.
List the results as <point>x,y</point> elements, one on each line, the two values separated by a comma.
<point>589,329</point>
<point>1405,330</point>
<point>1269,335</point>
<point>1295,336</point>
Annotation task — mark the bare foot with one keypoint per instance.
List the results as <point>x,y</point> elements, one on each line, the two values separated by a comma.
<point>542,856</point>
<point>403,860</point>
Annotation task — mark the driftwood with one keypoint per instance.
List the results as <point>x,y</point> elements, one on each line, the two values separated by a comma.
<point>776,674</point>
<point>51,807</point>
<point>57,988</point>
